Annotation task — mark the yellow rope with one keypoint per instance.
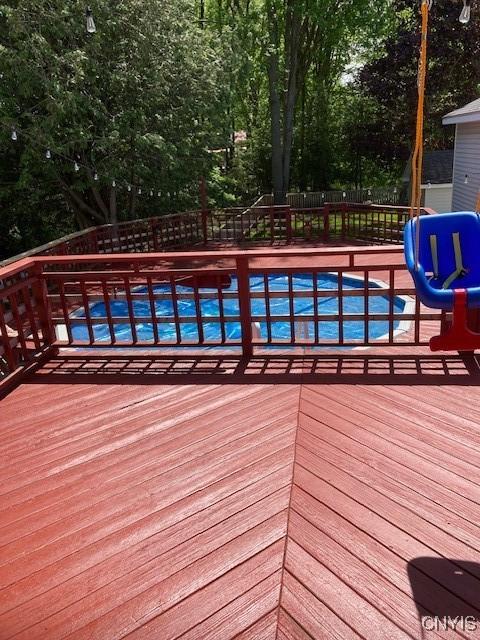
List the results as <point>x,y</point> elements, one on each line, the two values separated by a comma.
<point>417,157</point>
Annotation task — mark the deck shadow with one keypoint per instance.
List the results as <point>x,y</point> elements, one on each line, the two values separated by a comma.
<point>144,369</point>
<point>452,602</point>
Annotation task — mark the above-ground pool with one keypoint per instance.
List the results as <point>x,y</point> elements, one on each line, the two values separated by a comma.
<point>280,330</point>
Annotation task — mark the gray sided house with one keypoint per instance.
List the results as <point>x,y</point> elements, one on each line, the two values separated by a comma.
<point>466,164</point>
<point>436,180</point>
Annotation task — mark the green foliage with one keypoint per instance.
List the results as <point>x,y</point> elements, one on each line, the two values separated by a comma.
<point>388,83</point>
<point>138,101</point>
<point>327,88</point>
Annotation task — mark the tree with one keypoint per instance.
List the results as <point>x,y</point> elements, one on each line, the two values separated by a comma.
<point>309,37</point>
<point>389,82</point>
<point>135,103</point>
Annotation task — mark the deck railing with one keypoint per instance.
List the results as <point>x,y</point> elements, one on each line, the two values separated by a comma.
<point>174,300</point>
<point>372,224</point>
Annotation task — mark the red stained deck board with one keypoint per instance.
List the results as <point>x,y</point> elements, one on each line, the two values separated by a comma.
<point>143,472</point>
<point>424,439</point>
<point>401,483</point>
<point>257,509</point>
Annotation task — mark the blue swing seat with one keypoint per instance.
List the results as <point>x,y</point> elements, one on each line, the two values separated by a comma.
<point>437,276</point>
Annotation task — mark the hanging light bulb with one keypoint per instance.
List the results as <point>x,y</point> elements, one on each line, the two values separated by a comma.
<point>48,154</point>
<point>129,188</point>
<point>466,179</point>
<point>465,15</point>
<point>429,185</point>
<point>139,191</point>
<point>151,193</point>
<point>114,184</point>
<point>95,176</point>
<point>344,195</point>
<point>159,194</point>
<point>91,28</point>
<point>14,135</point>
<point>76,166</point>
<point>395,191</point>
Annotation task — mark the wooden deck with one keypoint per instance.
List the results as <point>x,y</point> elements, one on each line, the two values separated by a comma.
<point>288,498</point>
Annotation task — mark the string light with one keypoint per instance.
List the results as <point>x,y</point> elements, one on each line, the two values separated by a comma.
<point>466,179</point>
<point>91,28</point>
<point>49,154</point>
<point>465,15</point>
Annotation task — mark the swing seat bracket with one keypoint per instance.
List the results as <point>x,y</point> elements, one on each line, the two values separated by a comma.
<point>458,336</point>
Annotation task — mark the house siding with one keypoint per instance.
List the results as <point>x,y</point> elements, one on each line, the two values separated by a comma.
<point>467,162</point>
<point>438,197</point>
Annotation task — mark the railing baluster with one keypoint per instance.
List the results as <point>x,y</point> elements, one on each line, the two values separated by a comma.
<point>391,304</point>
<point>31,316</point>
<point>268,315</point>
<point>66,317</point>
<point>173,288</point>
<point>88,316</point>
<point>198,311</point>
<point>341,336</point>
<point>108,311</point>
<point>221,309</point>
<point>18,324</point>
<point>131,312</point>
<point>366,307</point>
<point>153,310</point>
<point>291,308</point>
<point>6,339</point>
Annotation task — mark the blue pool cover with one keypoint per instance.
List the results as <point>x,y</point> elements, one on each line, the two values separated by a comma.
<point>210,308</point>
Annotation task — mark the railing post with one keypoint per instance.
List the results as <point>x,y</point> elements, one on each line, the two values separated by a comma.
<point>39,290</point>
<point>288,219</point>
<point>243,277</point>
<point>326,223</point>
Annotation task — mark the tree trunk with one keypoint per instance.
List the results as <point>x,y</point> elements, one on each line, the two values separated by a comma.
<point>292,47</point>
<point>279,192</point>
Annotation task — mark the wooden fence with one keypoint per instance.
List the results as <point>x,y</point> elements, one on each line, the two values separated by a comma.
<point>376,195</point>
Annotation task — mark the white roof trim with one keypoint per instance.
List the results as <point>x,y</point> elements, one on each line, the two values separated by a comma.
<point>462,118</point>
